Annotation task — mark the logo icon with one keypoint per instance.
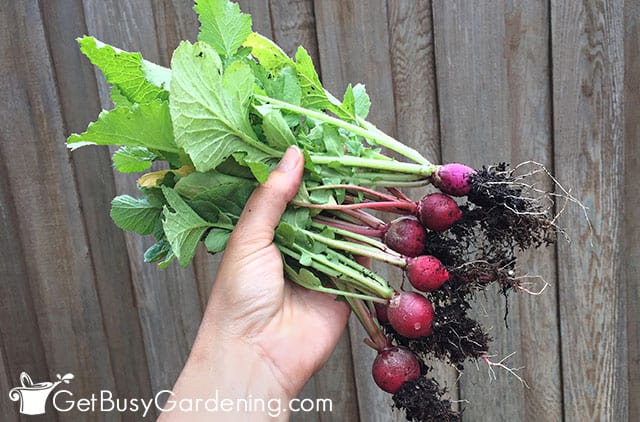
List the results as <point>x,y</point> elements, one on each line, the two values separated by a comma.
<point>33,397</point>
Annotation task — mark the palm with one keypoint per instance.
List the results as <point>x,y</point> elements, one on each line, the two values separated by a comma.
<point>293,328</point>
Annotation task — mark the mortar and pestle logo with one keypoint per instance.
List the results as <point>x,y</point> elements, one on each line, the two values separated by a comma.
<point>33,397</point>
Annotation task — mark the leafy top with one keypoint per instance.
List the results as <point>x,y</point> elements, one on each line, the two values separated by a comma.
<point>222,25</point>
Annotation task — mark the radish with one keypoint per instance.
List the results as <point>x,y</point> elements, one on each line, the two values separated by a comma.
<point>410,314</point>
<point>426,273</point>
<point>405,235</point>
<point>393,367</point>
<point>438,212</point>
<point>453,178</point>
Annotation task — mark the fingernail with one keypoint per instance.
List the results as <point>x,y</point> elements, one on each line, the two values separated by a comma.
<point>289,159</point>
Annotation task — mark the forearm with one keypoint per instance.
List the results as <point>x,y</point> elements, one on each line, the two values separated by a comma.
<point>228,381</point>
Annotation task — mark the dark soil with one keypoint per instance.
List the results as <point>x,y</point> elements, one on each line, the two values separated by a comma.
<point>422,401</point>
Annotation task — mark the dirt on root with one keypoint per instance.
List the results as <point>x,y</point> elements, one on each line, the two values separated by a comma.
<point>422,401</point>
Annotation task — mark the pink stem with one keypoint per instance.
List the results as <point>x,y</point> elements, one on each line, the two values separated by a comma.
<point>397,207</point>
<point>354,228</point>
<point>366,218</point>
<point>370,192</point>
<point>399,194</point>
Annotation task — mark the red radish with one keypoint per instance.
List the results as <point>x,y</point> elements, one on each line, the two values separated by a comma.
<point>438,212</point>
<point>393,367</point>
<point>453,178</point>
<point>410,314</point>
<point>426,273</point>
<point>405,235</point>
<point>381,313</point>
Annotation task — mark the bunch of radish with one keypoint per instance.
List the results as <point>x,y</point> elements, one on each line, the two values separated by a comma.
<point>220,119</point>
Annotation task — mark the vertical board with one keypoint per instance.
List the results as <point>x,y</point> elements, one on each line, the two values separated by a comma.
<point>64,22</point>
<point>21,347</point>
<point>294,24</point>
<point>474,125</point>
<point>175,20</point>
<point>529,84</point>
<point>58,267</point>
<point>168,301</point>
<point>416,108</point>
<point>588,71</point>
<point>353,43</point>
<point>290,24</point>
<point>632,198</point>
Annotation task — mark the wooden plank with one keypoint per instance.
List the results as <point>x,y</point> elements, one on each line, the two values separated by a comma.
<point>260,12</point>
<point>474,126</point>
<point>18,322</point>
<point>175,20</point>
<point>294,24</point>
<point>588,72</point>
<point>529,81</point>
<point>416,104</point>
<point>168,302</point>
<point>353,43</point>
<point>7,407</point>
<point>58,268</point>
<point>21,347</point>
<point>414,78</point>
<point>632,198</point>
<point>288,25</point>
<point>64,21</point>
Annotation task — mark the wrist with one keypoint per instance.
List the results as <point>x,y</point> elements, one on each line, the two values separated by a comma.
<point>237,383</point>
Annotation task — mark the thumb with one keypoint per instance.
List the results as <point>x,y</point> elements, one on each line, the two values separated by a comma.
<point>261,215</point>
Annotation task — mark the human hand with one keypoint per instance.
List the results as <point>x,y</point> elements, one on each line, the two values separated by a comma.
<point>261,335</point>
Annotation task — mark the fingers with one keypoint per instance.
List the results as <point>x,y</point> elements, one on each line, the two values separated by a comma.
<point>261,215</point>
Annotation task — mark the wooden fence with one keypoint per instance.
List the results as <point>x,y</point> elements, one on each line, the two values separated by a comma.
<point>557,82</point>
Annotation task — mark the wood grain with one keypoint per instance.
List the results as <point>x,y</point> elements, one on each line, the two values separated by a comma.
<point>64,21</point>
<point>416,106</point>
<point>168,301</point>
<point>21,348</point>
<point>473,98</point>
<point>353,42</point>
<point>632,198</point>
<point>473,81</point>
<point>58,268</point>
<point>588,82</point>
<point>175,20</point>
<point>293,23</point>
<point>529,91</point>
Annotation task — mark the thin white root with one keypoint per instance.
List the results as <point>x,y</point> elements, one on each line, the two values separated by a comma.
<point>500,364</point>
<point>532,168</point>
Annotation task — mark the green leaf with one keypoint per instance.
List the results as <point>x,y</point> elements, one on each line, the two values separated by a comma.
<point>133,159</point>
<point>334,143</point>
<point>118,98</point>
<point>138,80</point>
<point>157,251</point>
<point>285,234</point>
<point>362,101</point>
<point>268,53</point>
<point>222,25</point>
<point>259,170</point>
<point>216,240</point>
<point>313,95</point>
<point>210,111</point>
<point>141,125</point>
<point>277,131</point>
<point>133,214</point>
<point>285,87</point>
<point>183,226</point>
